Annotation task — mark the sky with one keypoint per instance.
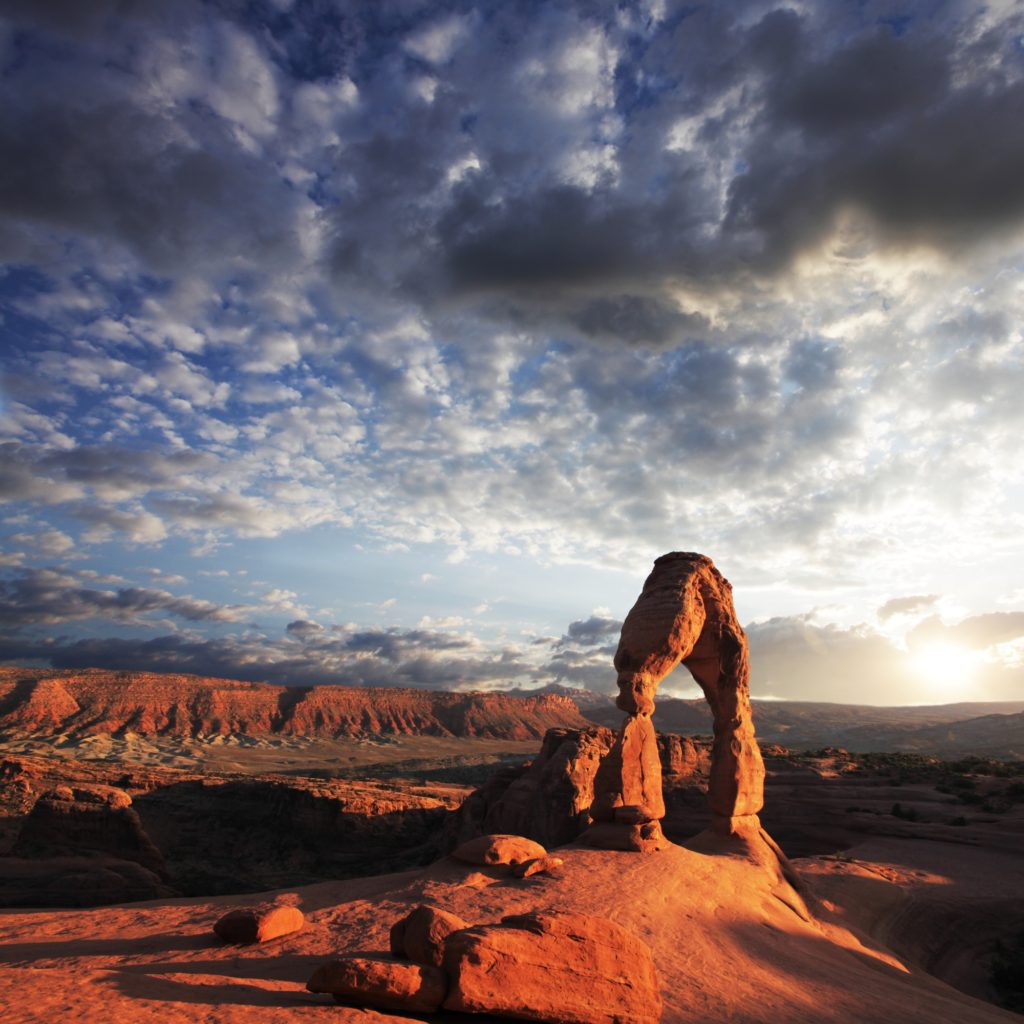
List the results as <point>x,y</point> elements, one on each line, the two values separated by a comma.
<point>389,342</point>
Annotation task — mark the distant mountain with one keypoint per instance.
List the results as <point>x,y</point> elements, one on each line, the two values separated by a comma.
<point>987,729</point>
<point>47,702</point>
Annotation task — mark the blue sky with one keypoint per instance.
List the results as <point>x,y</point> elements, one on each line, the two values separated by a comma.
<point>389,342</point>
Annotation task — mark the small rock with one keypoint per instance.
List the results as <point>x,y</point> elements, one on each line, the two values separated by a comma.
<point>259,924</point>
<point>498,849</point>
<point>381,984</point>
<point>420,936</point>
<point>537,866</point>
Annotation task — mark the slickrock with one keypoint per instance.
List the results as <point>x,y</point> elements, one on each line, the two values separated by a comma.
<point>684,614</point>
<point>561,968</point>
<point>258,924</point>
<point>420,935</point>
<point>537,866</point>
<point>381,984</point>
<point>498,849</point>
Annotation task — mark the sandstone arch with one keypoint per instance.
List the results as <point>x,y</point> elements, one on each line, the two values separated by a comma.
<point>684,614</point>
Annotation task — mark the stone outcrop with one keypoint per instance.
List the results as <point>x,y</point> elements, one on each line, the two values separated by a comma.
<point>47,702</point>
<point>258,924</point>
<point>216,833</point>
<point>556,967</point>
<point>498,850</point>
<point>549,799</point>
<point>69,821</point>
<point>683,615</point>
<point>381,984</point>
<point>421,934</point>
<point>537,866</point>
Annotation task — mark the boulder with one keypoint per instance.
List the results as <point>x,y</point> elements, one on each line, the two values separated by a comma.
<point>420,935</point>
<point>381,984</point>
<point>556,967</point>
<point>498,849</point>
<point>537,866</point>
<point>258,924</point>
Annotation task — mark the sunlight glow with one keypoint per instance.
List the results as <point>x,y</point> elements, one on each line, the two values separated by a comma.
<point>945,666</point>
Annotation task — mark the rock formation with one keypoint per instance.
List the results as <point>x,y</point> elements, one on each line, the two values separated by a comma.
<point>553,966</point>
<point>258,924</point>
<point>549,799</point>
<point>684,614</point>
<point>49,702</point>
<point>381,984</point>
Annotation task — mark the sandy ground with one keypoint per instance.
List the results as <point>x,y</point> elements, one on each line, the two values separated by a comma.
<point>727,941</point>
<point>377,756</point>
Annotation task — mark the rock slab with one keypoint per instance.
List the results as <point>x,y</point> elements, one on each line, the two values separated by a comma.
<point>560,968</point>
<point>259,924</point>
<point>381,984</point>
<point>496,850</point>
<point>420,935</point>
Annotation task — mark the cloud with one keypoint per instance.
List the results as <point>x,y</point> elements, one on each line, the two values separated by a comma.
<point>587,632</point>
<point>906,605</point>
<point>976,632</point>
<point>45,597</point>
<point>306,655</point>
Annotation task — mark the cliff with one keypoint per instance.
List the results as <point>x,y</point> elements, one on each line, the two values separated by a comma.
<point>48,702</point>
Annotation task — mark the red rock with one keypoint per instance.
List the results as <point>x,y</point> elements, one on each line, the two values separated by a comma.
<point>554,967</point>
<point>73,820</point>
<point>548,800</point>
<point>381,984</point>
<point>537,866</point>
<point>685,614</point>
<point>258,924</point>
<point>93,701</point>
<point>498,849</point>
<point>420,935</point>
<point>630,776</point>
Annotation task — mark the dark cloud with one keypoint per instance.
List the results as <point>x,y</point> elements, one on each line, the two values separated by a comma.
<point>47,597</point>
<point>395,658</point>
<point>595,630</point>
<point>906,605</point>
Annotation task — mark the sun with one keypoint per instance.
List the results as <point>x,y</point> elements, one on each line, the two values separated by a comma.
<point>947,667</point>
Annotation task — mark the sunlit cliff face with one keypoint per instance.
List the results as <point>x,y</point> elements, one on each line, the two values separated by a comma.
<point>392,345</point>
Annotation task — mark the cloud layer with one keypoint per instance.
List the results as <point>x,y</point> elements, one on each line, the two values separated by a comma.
<point>551,282</point>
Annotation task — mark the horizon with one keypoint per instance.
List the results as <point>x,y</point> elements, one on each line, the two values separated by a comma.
<point>389,344</point>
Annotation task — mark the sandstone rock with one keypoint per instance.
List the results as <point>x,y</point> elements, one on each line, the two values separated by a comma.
<point>93,701</point>
<point>420,935</point>
<point>258,924</point>
<point>381,984</point>
<point>685,614</point>
<point>69,821</point>
<point>548,800</point>
<point>560,968</point>
<point>91,881</point>
<point>630,776</point>
<point>498,849</point>
<point>537,866</point>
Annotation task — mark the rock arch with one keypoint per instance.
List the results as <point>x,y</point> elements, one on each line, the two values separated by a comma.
<point>684,614</point>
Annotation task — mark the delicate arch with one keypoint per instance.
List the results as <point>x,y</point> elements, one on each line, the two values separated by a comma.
<point>685,614</point>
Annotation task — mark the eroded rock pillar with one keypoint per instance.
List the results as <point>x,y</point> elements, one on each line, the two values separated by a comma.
<point>684,614</point>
